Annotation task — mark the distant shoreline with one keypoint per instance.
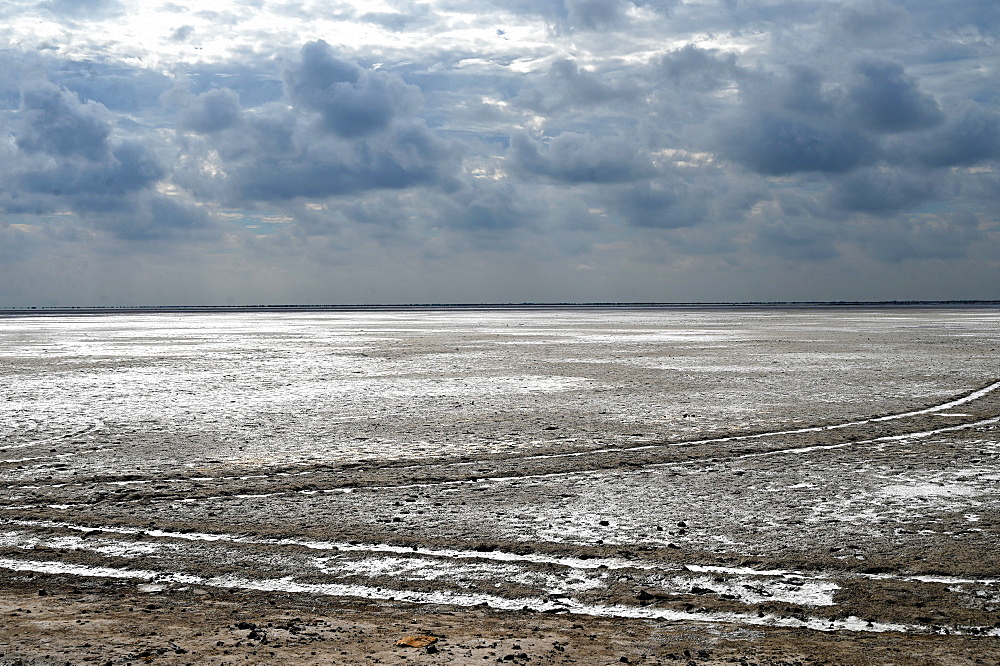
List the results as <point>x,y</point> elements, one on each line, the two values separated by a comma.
<point>745,305</point>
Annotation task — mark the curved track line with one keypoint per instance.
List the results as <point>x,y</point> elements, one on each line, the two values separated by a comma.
<point>530,477</point>
<point>289,585</point>
<point>597,470</point>
<point>499,556</point>
<point>975,395</point>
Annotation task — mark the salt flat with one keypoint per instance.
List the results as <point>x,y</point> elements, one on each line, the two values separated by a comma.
<point>710,480</point>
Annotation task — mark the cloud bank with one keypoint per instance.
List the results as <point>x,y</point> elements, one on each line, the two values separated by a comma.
<point>451,151</point>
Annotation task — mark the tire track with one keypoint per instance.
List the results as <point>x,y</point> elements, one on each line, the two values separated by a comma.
<point>555,582</point>
<point>460,599</point>
<point>540,466</point>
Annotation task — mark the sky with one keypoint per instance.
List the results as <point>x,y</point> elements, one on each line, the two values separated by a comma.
<point>455,151</point>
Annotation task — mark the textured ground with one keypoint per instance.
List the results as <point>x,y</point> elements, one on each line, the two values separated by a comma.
<point>658,486</point>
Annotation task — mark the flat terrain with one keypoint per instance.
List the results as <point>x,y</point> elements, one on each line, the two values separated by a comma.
<point>814,486</point>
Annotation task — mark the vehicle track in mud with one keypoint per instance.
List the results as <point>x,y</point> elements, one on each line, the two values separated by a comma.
<point>981,408</point>
<point>571,578</point>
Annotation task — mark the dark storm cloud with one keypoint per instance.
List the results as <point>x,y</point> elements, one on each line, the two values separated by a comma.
<point>348,130</point>
<point>78,159</point>
<point>970,136</point>
<point>884,99</point>
<point>884,192</point>
<point>69,155</point>
<point>776,145</point>
<point>52,120</point>
<point>788,123</point>
<point>319,167</point>
<point>490,207</point>
<point>576,158</point>
<point>97,185</point>
<point>698,69</point>
<point>351,101</point>
<point>212,111</point>
<point>153,217</point>
<point>663,205</point>
<point>805,119</point>
<point>801,88</point>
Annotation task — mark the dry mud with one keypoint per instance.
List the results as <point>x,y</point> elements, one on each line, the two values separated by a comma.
<point>813,486</point>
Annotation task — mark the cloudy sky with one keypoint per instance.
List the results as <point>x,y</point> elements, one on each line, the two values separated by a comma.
<point>265,151</point>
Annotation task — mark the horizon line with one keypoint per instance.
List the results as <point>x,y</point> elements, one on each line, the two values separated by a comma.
<point>486,305</point>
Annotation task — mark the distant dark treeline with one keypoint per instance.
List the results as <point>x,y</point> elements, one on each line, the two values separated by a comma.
<point>485,306</point>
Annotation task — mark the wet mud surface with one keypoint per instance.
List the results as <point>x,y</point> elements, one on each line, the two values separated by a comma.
<point>770,487</point>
